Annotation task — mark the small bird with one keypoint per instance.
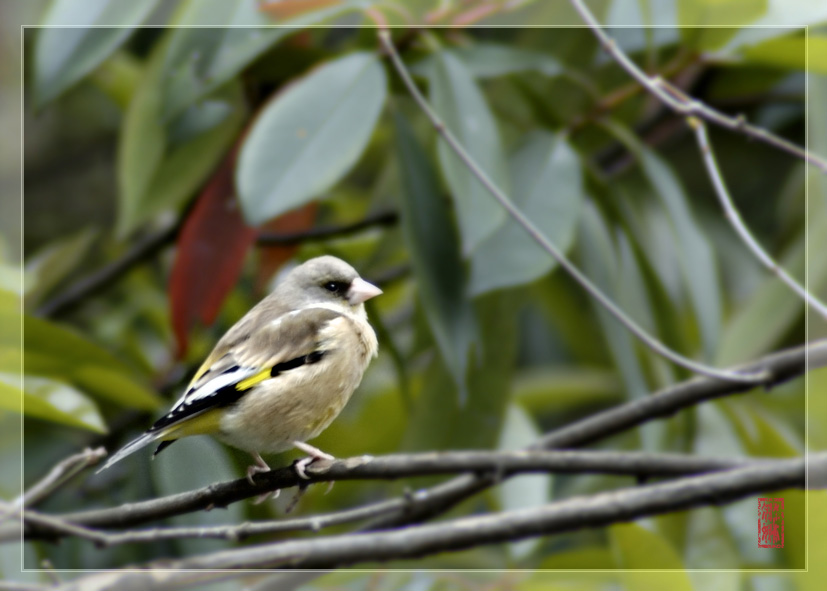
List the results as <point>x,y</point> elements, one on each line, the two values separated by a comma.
<point>282,373</point>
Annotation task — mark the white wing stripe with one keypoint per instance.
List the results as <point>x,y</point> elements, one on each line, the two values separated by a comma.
<point>215,384</point>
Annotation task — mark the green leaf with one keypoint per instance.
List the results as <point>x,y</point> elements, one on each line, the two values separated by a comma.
<point>791,53</point>
<point>522,491</point>
<point>435,257</point>
<point>159,167</point>
<point>590,558</point>
<point>462,107</point>
<point>310,135</point>
<point>81,34</point>
<point>200,58</point>
<point>696,259</point>
<point>704,22</point>
<point>636,25</point>
<point>11,392</point>
<point>11,320</point>
<point>553,390</point>
<point>638,548</point>
<point>710,545</point>
<point>548,189</point>
<point>51,400</point>
<point>12,282</point>
<point>57,352</point>
<point>781,16</point>
<point>50,265</point>
<point>491,60</point>
<point>602,265</point>
<point>217,39</point>
<point>761,434</point>
<point>812,579</point>
<point>442,420</point>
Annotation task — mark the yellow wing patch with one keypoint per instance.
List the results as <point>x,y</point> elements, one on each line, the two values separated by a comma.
<point>206,423</point>
<point>253,380</point>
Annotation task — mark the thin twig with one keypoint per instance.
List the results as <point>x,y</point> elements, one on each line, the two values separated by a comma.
<point>108,274</point>
<point>734,217</point>
<point>63,527</point>
<point>543,241</point>
<point>686,105</point>
<point>245,530</point>
<point>59,474</point>
<point>53,527</point>
<point>382,218</point>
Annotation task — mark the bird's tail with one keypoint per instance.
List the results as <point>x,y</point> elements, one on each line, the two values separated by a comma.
<point>130,448</point>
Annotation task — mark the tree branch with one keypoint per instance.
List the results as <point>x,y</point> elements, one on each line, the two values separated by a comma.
<point>382,218</point>
<point>59,474</point>
<point>108,274</point>
<point>458,534</point>
<point>497,464</point>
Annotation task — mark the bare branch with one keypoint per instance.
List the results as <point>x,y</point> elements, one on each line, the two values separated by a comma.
<point>688,106</point>
<point>497,464</point>
<point>63,528</point>
<point>506,203</point>
<point>235,532</point>
<point>108,274</point>
<point>382,218</point>
<point>59,474</point>
<point>572,514</point>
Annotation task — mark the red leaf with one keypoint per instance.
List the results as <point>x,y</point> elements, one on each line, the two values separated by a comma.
<point>211,248</point>
<point>273,257</point>
<point>284,9</point>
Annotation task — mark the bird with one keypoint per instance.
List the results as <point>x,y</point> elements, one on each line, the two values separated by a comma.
<point>282,373</point>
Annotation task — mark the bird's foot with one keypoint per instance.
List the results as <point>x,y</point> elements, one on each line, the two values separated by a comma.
<point>258,467</point>
<point>313,453</point>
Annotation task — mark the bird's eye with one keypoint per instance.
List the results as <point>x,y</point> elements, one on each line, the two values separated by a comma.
<point>332,286</point>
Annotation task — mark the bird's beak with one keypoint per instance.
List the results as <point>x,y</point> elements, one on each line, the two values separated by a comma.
<point>361,291</point>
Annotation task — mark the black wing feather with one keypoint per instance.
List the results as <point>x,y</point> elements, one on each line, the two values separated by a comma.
<point>225,396</point>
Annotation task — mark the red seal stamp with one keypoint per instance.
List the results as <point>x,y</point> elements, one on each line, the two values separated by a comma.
<point>771,523</point>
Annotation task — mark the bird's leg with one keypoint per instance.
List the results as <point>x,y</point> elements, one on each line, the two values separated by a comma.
<point>314,453</point>
<point>259,466</point>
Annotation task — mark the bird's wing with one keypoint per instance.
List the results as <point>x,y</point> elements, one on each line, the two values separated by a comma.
<point>281,345</point>
<point>286,343</point>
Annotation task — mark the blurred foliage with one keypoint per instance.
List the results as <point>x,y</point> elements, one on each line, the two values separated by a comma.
<point>484,341</point>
